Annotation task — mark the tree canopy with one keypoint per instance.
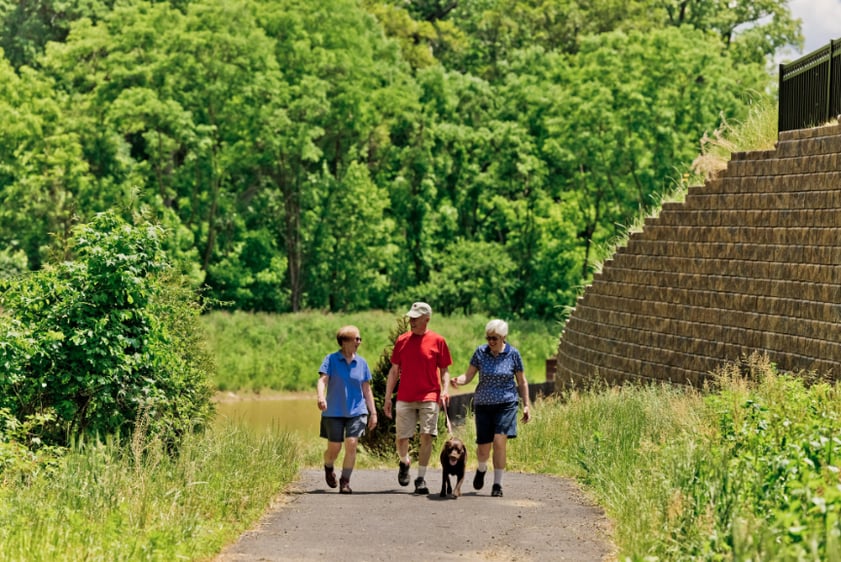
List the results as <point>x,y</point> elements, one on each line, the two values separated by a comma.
<point>345,155</point>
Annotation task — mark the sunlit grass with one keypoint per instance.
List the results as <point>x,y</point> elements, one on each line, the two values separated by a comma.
<point>260,352</point>
<point>110,501</point>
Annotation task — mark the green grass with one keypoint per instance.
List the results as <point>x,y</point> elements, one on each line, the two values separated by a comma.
<point>282,352</point>
<point>746,471</point>
<point>113,502</point>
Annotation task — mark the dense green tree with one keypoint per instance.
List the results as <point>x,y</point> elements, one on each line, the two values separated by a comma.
<point>45,181</point>
<point>348,239</point>
<point>334,154</point>
<point>26,26</point>
<point>348,86</point>
<point>613,132</point>
<point>752,29</point>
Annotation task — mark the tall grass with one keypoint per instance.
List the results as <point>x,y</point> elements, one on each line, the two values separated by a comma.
<point>746,471</point>
<point>282,352</point>
<point>134,501</point>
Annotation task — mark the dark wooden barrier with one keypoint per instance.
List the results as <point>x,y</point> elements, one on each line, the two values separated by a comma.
<point>461,404</point>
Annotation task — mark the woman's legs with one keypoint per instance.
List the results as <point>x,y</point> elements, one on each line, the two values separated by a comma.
<point>499,445</point>
<point>330,454</point>
<point>350,454</point>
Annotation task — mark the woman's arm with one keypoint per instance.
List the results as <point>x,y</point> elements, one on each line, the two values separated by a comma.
<point>369,401</point>
<point>523,388</point>
<point>320,386</point>
<point>465,378</point>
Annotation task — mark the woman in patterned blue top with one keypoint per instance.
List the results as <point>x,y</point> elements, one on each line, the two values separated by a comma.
<point>502,382</point>
<point>346,403</point>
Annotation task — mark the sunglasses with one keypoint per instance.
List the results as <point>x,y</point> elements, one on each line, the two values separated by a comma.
<point>358,339</point>
<point>492,338</point>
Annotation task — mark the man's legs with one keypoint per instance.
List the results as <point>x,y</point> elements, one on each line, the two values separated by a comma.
<point>405,421</point>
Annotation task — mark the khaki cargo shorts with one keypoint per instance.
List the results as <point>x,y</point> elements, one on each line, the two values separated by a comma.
<point>409,414</point>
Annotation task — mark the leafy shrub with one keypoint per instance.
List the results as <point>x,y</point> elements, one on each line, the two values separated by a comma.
<point>22,454</point>
<point>99,340</point>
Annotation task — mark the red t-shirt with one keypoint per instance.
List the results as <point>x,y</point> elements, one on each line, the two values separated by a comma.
<point>419,358</point>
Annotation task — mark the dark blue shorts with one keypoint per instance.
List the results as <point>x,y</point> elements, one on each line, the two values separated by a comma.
<point>493,419</point>
<point>338,429</point>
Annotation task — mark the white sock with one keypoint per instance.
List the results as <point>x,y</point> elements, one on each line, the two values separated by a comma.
<point>483,466</point>
<point>498,472</point>
<point>421,471</point>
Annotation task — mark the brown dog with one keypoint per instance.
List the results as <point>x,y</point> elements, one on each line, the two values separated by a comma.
<point>453,461</point>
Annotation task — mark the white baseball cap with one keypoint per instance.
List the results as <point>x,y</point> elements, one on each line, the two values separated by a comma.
<point>419,309</point>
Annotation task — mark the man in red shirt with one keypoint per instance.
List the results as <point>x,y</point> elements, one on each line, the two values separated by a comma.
<point>421,361</point>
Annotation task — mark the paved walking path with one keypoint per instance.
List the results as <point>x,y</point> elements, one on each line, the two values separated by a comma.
<point>539,518</point>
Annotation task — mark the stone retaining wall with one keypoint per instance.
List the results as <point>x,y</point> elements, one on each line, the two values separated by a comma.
<point>751,261</point>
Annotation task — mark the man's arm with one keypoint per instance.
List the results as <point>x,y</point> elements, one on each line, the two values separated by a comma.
<point>391,381</point>
<point>445,386</point>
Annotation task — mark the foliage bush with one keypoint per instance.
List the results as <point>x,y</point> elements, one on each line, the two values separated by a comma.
<point>93,343</point>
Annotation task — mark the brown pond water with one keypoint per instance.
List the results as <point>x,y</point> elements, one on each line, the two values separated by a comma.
<point>292,412</point>
<point>295,412</point>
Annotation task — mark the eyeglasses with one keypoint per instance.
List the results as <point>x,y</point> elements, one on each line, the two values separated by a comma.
<point>492,338</point>
<point>357,339</point>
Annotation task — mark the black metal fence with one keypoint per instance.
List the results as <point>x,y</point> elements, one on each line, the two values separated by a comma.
<point>810,89</point>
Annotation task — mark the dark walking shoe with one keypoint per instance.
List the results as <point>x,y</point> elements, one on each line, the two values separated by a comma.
<point>496,491</point>
<point>420,486</point>
<point>403,474</point>
<point>344,486</point>
<point>330,476</point>
<point>479,479</point>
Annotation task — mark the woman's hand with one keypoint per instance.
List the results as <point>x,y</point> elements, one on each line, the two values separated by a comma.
<point>372,421</point>
<point>322,404</point>
<point>526,414</point>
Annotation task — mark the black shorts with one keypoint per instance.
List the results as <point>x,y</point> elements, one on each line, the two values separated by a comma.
<point>494,419</point>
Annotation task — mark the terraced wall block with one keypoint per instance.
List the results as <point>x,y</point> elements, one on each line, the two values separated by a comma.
<point>749,262</point>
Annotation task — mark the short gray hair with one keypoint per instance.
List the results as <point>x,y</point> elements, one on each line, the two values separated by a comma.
<point>497,326</point>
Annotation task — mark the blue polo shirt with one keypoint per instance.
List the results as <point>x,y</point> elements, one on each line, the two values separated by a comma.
<point>344,385</point>
<point>497,383</point>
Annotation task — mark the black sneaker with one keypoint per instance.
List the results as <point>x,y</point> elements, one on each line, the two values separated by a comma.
<point>496,491</point>
<point>330,476</point>
<point>479,479</point>
<point>344,486</point>
<point>420,486</point>
<point>403,474</point>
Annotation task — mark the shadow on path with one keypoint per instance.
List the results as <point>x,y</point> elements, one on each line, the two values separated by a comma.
<point>539,518</point>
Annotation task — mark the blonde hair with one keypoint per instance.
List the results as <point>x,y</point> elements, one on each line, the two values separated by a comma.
<point>346,333</point>
<point>497,326</point>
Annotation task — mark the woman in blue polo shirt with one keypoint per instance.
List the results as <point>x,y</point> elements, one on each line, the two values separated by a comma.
<point>502,383</point>
<point>346,403</point>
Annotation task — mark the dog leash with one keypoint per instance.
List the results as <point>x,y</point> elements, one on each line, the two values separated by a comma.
<point>447,417</point>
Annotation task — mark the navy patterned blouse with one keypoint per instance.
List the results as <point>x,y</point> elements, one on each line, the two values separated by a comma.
<point>497,383</point>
